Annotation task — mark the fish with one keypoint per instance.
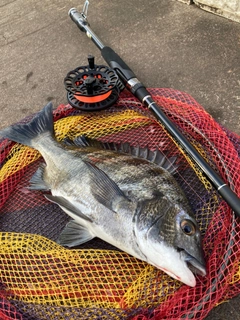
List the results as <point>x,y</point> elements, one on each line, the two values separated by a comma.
<point>124,195</point>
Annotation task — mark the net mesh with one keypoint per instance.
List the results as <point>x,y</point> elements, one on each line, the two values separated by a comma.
<point>42,280</point>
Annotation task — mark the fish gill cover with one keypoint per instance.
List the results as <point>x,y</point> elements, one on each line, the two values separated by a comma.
<point>42,280</point>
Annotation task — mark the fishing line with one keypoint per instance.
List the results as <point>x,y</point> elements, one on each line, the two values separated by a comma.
<point>186,182</point>
<point>153,143</point>
<point>232,232</point>
<point>131,82</point>
<point>139,90</point>
<point>212,146</point>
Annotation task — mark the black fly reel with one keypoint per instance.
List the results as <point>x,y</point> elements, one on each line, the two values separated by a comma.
<point>92,87</point>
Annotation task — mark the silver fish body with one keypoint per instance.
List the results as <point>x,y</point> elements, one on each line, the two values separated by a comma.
<point>127,201</point>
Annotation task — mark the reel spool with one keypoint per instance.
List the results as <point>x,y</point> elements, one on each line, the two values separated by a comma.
<point>92,87</point>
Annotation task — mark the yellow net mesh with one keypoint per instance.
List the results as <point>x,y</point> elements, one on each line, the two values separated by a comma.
<point>48,273</point>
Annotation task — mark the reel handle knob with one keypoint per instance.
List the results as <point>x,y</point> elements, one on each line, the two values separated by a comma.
<point>91,62</point>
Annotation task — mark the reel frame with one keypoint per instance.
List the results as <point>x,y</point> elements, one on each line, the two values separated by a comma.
<point>92,87</point>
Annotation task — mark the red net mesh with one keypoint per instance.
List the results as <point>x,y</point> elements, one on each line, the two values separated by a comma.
<point>41,280</point>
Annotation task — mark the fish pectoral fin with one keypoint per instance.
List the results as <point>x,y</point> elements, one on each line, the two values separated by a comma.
<point>74,234</point>
<point>37,182</point>
<point>104,189</point>
<point>67,206</point>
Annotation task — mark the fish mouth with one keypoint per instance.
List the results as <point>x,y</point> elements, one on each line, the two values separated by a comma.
<point>196,266</point>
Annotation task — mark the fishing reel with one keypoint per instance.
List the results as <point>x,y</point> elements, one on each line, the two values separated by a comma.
<point>93,87</point>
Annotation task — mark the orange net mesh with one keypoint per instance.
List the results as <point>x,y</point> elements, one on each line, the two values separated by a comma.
<point>42,280</point>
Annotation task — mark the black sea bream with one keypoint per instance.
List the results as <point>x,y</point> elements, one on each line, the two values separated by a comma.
<point>130,202</point>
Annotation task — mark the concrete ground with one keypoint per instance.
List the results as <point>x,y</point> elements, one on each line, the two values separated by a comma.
<point>166,43</point>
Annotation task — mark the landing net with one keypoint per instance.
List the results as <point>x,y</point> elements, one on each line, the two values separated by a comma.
<point>41,280</point>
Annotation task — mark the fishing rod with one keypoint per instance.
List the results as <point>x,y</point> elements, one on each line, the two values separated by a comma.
<point>129,79</point>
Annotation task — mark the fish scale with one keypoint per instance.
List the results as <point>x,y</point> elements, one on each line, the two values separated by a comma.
<point>135,174</point>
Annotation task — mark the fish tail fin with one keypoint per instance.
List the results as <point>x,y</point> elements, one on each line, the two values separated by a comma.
<point>26,133</point>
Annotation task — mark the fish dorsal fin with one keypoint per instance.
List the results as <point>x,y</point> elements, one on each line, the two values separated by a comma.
<point>80,141</point>
<point>105,190</point>
<point>154,156</point>
<point>74,234</point>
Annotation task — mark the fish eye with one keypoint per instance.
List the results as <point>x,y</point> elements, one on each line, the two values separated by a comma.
<point>188,227</point>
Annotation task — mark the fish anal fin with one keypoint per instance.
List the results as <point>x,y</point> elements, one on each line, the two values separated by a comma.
<point>74,235</point>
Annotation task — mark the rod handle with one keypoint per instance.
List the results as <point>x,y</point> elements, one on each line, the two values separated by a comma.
<point>116,63</point>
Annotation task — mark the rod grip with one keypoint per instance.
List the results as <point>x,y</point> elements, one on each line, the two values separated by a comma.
<point>116,63</point>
